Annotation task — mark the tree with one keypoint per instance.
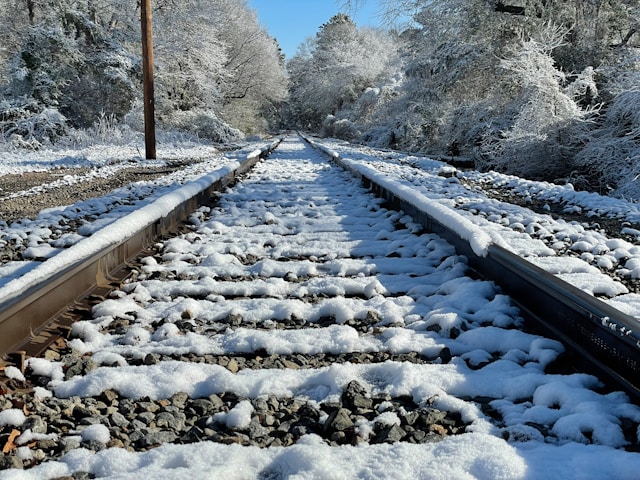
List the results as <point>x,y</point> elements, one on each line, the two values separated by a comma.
<point>79,60</point>
<point>215,66</point>
<point>66,68</point>
<point>336,68</point>
<point>190,56</point>
<point>546,124</point>
<point>511,82</point>
<point>256,81</point>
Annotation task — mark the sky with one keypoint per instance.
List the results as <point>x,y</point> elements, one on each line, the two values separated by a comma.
<point>292,21</point>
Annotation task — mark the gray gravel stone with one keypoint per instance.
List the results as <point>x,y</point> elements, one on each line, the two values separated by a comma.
<point>93,445</point>
<point>199,406</point>
<point>175,422</point>
<point>9,461</point>
<point>127,407</point>
<point>339,420</point>
<point>109,397</point>
<point>390,434</point>
<point>194,434</point>
<point>155,438</point>
<point>118,420</point>
<point>146,417</point>
<point>69,443</point>
<point>36,424</point>
<point>355,396</point>
<point>81,412</point>
<point>256,430</point>
<point>91,420</point>
<point>216,402</point>
<point>179,399</point>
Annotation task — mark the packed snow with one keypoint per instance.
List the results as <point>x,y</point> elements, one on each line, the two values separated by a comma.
<point>421,295</point>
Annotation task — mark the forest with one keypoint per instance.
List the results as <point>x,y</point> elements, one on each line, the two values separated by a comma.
<point>543,89</point>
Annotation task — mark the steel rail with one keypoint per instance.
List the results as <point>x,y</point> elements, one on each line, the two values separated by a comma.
<point>24,316</point>
<point>605,341</point>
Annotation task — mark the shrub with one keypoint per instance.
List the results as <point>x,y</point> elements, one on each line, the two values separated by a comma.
<point>203,123</point>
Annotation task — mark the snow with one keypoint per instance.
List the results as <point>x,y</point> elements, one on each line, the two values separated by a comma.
<point>13,372</point>
<point>98,433</point>
<point>478,239</point>
<point>428,300</point>
<point>29,436</point>
<point>122,228</point>
<point>387,418</point>
<point>12,416</point>
<point>469,456</point>
<point>238,417</point>
<point>483,221</point>
<point>44,367</point>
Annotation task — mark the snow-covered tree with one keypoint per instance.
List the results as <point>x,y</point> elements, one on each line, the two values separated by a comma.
<point>511,82</point>
<point>452,53</point>
<point>610,160</point>
<point>255,84</point>
<point>546,126</point>
<point>189,56</point>
<point>66,65</point>
<point>81,60</point>
<point>335,69</point>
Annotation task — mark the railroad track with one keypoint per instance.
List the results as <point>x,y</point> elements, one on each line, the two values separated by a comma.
<point>298,311</point>
<point>605,340</point>
<point>45,296</point>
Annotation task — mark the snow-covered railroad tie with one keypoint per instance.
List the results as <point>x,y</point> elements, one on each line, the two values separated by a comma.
<point>583,302</point>
<point>302,329</point>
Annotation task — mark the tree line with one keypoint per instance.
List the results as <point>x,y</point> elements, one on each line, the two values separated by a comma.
<point>547,89</point>
<point>70,65</point>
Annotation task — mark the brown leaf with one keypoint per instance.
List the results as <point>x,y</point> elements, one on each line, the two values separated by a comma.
<point>10,445</point>
<point>439,429</point>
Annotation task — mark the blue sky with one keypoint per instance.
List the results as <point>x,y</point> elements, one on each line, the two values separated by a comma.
<point>292,21</point>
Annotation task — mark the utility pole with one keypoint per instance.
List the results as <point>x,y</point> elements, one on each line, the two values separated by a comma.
<point>147,81</point>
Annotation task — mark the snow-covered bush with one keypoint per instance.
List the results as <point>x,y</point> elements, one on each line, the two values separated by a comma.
<point>380,137</point>
<point>546,122</point>
<point>204,124</point>
<point>372,112</point>
<point>345,129</point>
<point>26,123</point>
<point>47,59</point>
<point>339,128</point>
<point>107,130</point>
<point>72,65</point>
<point>611,159</point>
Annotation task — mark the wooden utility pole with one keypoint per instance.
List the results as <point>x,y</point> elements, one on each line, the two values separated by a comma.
<point>147,81</point>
